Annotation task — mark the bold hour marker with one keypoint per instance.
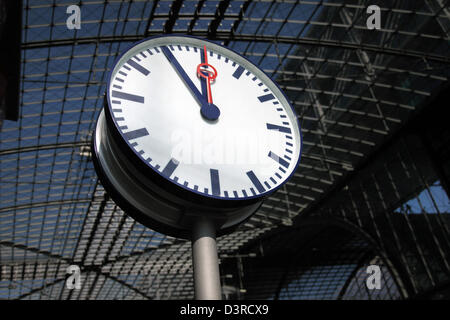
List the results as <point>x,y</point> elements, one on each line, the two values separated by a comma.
<point>215,183</point>
<point>170,167</point>
<point>127,96</point>
<point>238,73</point>
<point>135,134</point>
<point>266,97</point>
<point>278,128</point>
<point>281,161</point>
<point>138,67</point>
<point>256,181</point>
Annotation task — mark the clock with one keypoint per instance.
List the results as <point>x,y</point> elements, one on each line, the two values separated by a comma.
<point>192,129</point>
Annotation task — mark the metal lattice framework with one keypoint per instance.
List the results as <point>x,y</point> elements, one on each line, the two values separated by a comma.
<point>354,91</point>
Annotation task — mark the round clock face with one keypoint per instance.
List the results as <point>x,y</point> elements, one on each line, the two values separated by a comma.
<point>204,117</point>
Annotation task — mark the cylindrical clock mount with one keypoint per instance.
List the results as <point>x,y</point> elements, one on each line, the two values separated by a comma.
<point>145,199</point>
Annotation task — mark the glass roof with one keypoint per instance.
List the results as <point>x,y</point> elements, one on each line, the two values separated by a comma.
<point>352,89</point>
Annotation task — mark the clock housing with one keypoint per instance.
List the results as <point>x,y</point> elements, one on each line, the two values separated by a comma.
<point>155,199</point>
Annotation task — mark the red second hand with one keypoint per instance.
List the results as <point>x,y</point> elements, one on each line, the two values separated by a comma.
<point>209,79</point>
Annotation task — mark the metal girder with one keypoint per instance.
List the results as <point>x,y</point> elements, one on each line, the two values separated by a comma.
<point>151,17</point>
<point>96,223</point>
<point>365,256</point>
<point>251,38</point>
<point>96,269</point>
<point>292,261</point>
<point>173,15</point>
<point>196,16</point>
<point>218,17</point>
<point>238,21</point>
<point>143,252</point>
<point>34,250</point>
<point>36,290</point>
<point>88,269</point>
<point>45,147</point>
<point>371,157</point>
<point>43,204</point>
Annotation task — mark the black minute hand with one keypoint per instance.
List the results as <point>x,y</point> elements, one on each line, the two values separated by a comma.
<point>198,96</point>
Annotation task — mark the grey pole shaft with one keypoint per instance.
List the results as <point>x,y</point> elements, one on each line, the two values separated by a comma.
<point>205,261</point>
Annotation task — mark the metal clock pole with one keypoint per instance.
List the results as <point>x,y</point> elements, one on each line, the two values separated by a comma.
<point>205,261</point>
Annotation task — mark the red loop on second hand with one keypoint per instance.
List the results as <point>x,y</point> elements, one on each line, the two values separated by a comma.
<point>210,75</point>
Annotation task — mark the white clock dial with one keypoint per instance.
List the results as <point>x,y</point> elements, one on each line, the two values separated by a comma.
<point>237,139</point>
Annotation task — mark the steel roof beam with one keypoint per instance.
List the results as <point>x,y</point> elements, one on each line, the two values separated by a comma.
<point>42,204</point>
<point>250,38</point>
<point>45,147</point>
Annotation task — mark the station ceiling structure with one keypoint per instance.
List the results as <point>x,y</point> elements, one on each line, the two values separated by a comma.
<point>371,188</point>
